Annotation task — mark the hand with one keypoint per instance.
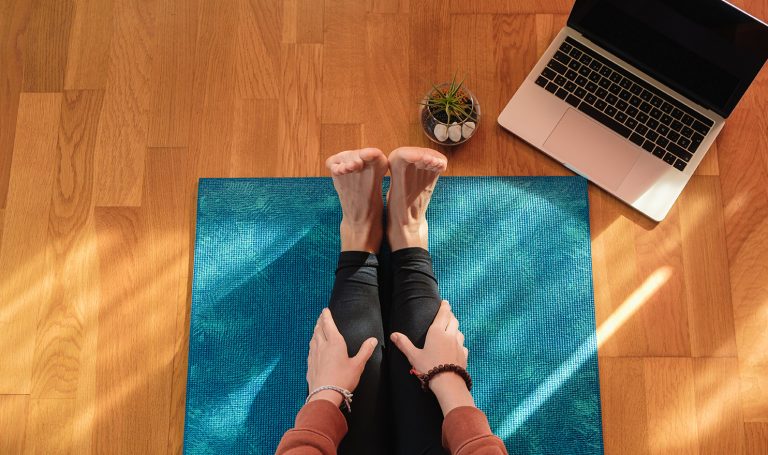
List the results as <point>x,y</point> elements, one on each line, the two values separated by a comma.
<point>444,343</point>
<point>328,362</point>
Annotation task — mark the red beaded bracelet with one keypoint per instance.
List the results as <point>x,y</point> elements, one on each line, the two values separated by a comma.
<point>424,378</point>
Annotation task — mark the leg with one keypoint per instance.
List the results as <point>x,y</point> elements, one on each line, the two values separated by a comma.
<point>354,302</point>
<point>415,297</point>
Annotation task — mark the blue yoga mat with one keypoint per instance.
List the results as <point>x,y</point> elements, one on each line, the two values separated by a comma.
<point>511,254</point>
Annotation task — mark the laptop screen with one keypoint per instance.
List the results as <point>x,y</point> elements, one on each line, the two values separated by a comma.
<point>707,50</point>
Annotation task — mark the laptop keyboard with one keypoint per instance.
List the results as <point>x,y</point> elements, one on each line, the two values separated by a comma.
<point>647,116</point>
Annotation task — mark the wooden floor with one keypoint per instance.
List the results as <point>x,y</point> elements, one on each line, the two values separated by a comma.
<point>110,110</point>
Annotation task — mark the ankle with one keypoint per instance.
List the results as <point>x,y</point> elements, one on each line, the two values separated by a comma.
<point>360,236</point>
<point>408,235</point>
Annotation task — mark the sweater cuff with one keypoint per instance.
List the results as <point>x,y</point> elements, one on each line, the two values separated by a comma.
<point>323,417</point>
<point>463,425</point>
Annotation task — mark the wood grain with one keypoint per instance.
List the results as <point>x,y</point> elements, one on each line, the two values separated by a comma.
<point>137,99</point>
<point>25,279</point>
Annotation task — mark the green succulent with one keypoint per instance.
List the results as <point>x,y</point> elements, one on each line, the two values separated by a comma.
<point>451,101</point>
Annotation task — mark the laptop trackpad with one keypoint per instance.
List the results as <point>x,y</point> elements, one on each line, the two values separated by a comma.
<point>591,148</point>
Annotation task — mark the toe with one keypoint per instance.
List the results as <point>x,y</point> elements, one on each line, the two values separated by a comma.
<point>370,154</point>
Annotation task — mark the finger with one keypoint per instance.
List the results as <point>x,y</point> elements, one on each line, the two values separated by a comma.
<point>453,325</point>
<point>318,331</point>
<point>366,350</point>
<point>404,345</point>
<point>466,353</point>
<point>329,327</point>
<point>443,315</point>
<point>460,338</point>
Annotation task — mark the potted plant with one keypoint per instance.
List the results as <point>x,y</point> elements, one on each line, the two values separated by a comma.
<point>449,113</point>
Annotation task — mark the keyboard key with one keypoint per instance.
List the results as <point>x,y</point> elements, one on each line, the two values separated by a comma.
<point>637,139</point>
<point>649,146</point>
<point>645,107</point>
<point>652,124</point>
<point>656,101</point>
<point>620,116</point>
<point>570,86</point>
<point>557,66</point>
<point>663,129</point>
<point>625,95</point>
<point>574,65</point>
<point>635,89</point>
<point>677,114</point>
<point>677,126</point>
<point>562,58</point>
<point>655,113</point>
<point>561,93</point>
<point>600,104</point>
<point>560,80</point>
<point>590,98</point>
<point>631,123</point>
<point>584,71</point>
<point>585,59</point>
<point>669,158</point>
<point>666,108</point>
<point>621,104</point>
<point>581,81</point>
<point>662,141</point>
<point>625,83</point>
<point>687,132</point>
<point>602,93</point>
<point>695,142</point>
<point>658,151</point>
<point>572,100</point>
<point>565,47</point>
<point>635,101</point>
<point>594,77</point>
<point>605,120</point>
<point>684,142</point>
<point>610,110</point>
<point>646,95</point>
<point>591,86</point>
<point>673,136</point>
<point>551,87</point>
<point>680,165</point>
<point>700,127</point>
<point>611,99</point>
<point>595,65</point>
<point>571,74</point>
<point>666,119</point>
<point>615,77</point>
<point>580,92</point>
<point>575,53</point>
<point>614,88</point>
<point>632,111</point>
<point>652,135</point>
<point>679,152</point>
<point>687,120</point>
<point>641,129</point>
<point>605,72</point>
<point>642,117</point>
<point>548,73</point>
<point>604,83</point>
<point>541,81</point>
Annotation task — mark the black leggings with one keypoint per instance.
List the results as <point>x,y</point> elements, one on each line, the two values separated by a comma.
<point>390,412</point>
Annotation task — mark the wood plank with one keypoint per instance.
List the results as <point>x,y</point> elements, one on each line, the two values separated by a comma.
<point>258,48</point>
<point>298,128</point>
<point>309,21</point>
<point>756,438</point>
<point>718,407</point>
<point>26,278</point>
<point>45,58</point>
<point>13,420</point>
<point>389,6</point>
<point>510,7</point>
<point>172,81</point>
<point>122,136</point>
<point>344,59</point>
<point>670,406</point>
<point>288,29</point>
<point>430,50</point>
<point>337,138</point>
<point>70,250</point>
<point>88,54</point>
<point>709,165</point>
<point>49,428</point>
<point>255,150</point>
<point>388,107</point>
<point>14,19</point>
<point>705,255</point>
<point>622,396</point>
<point>2,224</point>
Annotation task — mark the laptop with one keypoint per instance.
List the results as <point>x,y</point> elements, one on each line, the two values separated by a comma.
<point>632,93</point>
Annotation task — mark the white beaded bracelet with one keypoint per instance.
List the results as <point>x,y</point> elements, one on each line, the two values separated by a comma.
<point>346,394</point>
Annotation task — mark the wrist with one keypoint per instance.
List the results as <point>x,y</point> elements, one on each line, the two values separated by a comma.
<point>451,391</point>
<point>329,395</point>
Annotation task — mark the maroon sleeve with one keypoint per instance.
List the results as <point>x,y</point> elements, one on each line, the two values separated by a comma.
<point>320,427</point>
<point>466,431</point>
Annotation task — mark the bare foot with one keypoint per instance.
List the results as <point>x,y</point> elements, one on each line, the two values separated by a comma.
<point>357,176</point>
<point>415,171</point>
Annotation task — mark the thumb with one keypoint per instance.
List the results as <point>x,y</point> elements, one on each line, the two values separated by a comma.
<point>404,344</point>
<point>366,350</point>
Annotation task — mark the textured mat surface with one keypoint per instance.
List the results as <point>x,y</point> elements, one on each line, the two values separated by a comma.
<point>511,254</point>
